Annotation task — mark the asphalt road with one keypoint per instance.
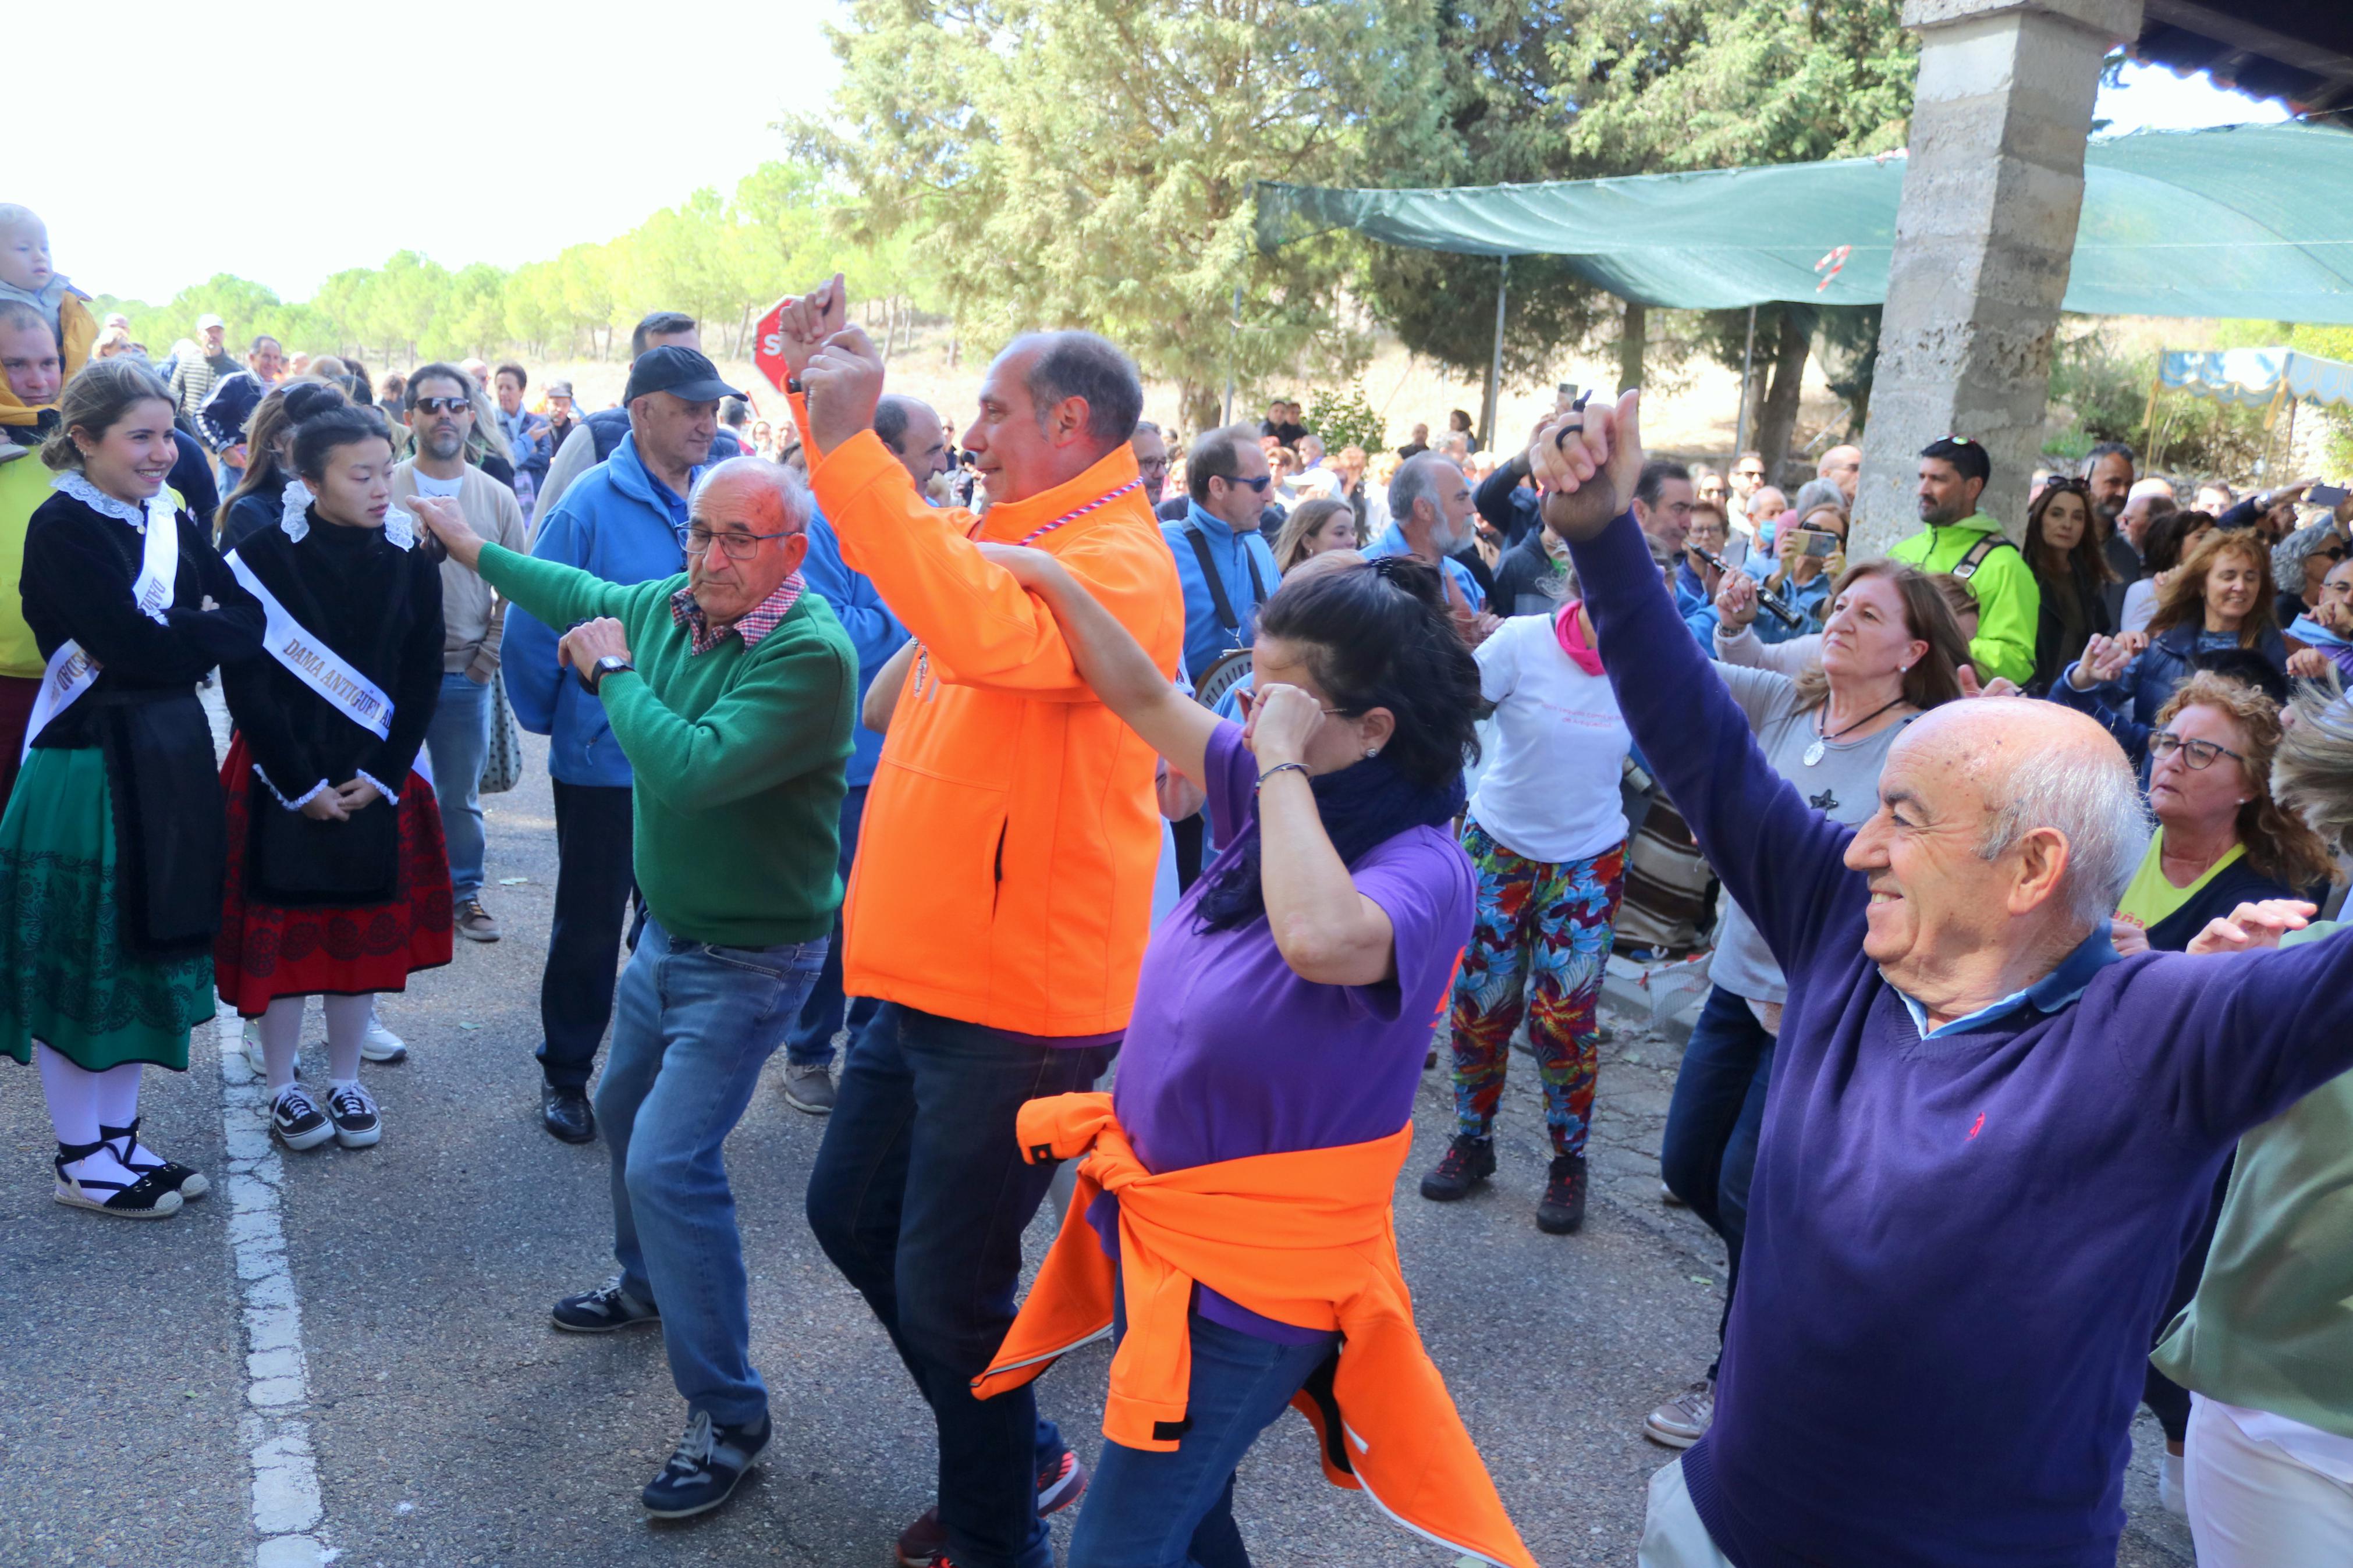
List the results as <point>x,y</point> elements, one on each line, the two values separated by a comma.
<point>450,1425</point>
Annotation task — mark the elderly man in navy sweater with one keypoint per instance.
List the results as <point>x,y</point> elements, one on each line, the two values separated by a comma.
<point>1988,1138</point>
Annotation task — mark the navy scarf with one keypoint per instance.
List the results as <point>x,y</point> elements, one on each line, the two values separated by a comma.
<point>1365,803</point>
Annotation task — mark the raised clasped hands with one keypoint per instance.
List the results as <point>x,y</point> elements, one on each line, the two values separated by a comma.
<point>1586,464</point>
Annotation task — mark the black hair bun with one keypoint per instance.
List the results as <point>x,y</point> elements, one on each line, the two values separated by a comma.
<point>307,400</point>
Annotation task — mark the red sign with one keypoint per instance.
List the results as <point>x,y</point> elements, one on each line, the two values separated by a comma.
<point>769,344</point>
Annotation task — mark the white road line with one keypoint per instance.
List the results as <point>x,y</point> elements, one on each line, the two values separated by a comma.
<point>287,1513</point>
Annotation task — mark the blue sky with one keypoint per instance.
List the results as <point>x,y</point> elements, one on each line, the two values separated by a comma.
<point>496,133</point>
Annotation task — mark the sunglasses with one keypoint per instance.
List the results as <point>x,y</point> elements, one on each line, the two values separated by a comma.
<point>2200,754</point>
<point>1258,484</point>
<point>441,404</point>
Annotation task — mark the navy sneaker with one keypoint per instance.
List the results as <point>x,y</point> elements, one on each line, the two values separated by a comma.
<point>711,1460</point>
<point>603,1310</point>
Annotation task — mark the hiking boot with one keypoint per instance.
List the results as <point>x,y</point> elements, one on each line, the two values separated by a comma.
<point>1562,1208</point>
<point>1466,1162</point>
<point>809,1085</point>
<point>711,1460</point>
<point>1682,1420</point>
<point>474,922</point>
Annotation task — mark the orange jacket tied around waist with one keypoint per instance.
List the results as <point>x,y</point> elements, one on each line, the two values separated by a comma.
<point>1004,875</point>
<point>1305,1238</point>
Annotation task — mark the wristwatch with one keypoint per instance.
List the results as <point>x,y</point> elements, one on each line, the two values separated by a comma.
<point>604,666</point>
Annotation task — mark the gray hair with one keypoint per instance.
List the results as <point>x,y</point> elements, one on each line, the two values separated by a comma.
<point>2312,770</point>
<point>2094,802</point>
<point>1815,494</point>
<point>1082,365</point>
<point>1415,477</point>
<point>794,503</point>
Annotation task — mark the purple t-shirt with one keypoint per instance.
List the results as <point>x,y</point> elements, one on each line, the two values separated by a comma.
<point>1229,1053</point>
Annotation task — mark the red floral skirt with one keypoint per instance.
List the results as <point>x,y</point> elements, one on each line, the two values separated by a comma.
<point>265,951</point>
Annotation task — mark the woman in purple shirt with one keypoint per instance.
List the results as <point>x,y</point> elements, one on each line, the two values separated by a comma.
<point>1287,1002</point>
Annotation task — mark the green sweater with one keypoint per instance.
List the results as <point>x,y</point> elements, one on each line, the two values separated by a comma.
<point>2272,1325</point>
<point>739,754</point>
<point>2010,601</point>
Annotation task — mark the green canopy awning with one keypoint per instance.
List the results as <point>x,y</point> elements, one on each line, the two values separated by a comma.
<point>2247,221</point>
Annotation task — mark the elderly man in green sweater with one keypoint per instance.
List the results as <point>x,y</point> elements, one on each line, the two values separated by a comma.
<point>731,692</point>
<point>1967,542</point>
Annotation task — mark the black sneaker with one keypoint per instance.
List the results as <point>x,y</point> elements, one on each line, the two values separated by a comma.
<point>703,1473</point>
<point>296,1121</point>
<point>603,1310</point>
<point>1468,1162</point>
<point>352,1111</point>
<point>1562,1209</point>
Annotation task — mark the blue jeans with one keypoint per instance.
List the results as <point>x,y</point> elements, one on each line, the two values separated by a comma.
<point>1176,1510</point>
<point>693,1025</point>
<point>458,735</point>
<point>811,1040</point>
<point>919,1197</point>
<point>1709,1151</point>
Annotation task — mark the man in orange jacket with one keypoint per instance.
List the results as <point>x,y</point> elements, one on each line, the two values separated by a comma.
<point>1002,892</point>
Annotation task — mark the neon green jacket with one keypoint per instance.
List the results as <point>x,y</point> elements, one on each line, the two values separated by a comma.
<point>2010,602</point>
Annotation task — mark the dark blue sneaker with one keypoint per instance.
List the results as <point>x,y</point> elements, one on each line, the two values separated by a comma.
<point>603,1310</point>
<point>703,1473</point>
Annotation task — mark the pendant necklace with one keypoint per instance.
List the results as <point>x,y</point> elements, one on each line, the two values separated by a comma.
<point>1814,752</point>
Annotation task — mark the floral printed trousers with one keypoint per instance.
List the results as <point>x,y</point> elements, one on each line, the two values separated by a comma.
<point>1537,950</point>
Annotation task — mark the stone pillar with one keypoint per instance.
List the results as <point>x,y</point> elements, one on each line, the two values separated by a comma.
<point>1993,185</point>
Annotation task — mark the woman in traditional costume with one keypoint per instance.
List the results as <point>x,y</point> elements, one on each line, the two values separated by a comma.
<point>112,848</point>
<point>339,886</point>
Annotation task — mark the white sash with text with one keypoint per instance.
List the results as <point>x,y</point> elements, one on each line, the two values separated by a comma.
<point>314,664</point>
<point>70,670</point>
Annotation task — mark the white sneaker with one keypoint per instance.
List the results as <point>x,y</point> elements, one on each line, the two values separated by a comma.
<point>381,1044</point>
<point>2172,1485</point>
<point>253,1056</point>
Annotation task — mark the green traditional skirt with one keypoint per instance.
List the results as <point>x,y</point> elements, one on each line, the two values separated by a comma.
<point>65,979</point>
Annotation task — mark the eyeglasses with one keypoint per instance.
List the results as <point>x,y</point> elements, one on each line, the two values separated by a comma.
<point>1258,484</point>
<point>1245,696</point>
<point>441,404</point>
<point>734,546</point>
<point>1150,465</point>
<point>2198,754</point>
